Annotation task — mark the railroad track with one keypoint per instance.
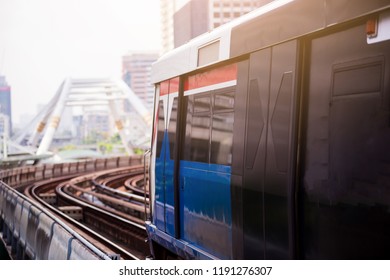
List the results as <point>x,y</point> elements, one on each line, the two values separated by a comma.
<point>111,220</point>
<point>125,193</point>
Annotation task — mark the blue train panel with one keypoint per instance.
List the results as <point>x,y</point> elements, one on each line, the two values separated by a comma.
<point>205,207</point>
<point>164,206</point>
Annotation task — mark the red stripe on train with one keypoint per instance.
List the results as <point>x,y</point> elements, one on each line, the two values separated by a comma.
<point>215,76</point>
<point>212,77</point>
<point>169,86</point>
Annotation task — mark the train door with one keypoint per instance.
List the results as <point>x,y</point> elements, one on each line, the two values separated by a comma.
<point>164,167</point>
<point>262,172</point>
<point>205,167</point>
<point>346,178</point>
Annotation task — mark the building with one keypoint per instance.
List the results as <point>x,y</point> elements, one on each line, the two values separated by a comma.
<point>136,69</point>
<point>223,11</point>
<point>5,103</point>
<point>194,17</point>
<point>97,125</point>
<point>167,10</point>
<point>78,129</point>
<point>190,21</point>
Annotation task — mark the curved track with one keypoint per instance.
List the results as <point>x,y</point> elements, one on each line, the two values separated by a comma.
<point>100,208</point>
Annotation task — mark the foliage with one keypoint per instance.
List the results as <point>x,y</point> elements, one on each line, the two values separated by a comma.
<point>105,148</point>
<point>69,147</point>
<point>138,151</point>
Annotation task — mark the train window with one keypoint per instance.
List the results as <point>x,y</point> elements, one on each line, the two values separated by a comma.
<point>208,54</point>
<point>160,127</point>
<point>201,133</point>
<point>202,104</point>
<point>172,128</point>
<point>222,138</point>
<point>224,101</point>
<point>197,142</point>
<point>197,128</point>
<point>188,120</point>
<point>209,127</point>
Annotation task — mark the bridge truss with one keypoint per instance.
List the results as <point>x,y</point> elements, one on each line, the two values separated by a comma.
<point>134,128</point>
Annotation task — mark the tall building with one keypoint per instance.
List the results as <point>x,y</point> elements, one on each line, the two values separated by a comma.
<point>191,20</point>
<point>136,69</point>
<point>167,10</point>
<point>5,103</point>
<point>196,17</point>
<point>223,11</point>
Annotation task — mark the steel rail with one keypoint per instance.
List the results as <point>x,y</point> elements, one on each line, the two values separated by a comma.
<point>34,192</point>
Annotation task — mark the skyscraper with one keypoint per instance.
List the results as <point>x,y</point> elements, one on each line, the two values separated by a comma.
<point>5,103</point>
<point>223,11</point>
<point>167,9</point>
<point>196,17</point>
<point>190,20</point>
<point>136,69</point>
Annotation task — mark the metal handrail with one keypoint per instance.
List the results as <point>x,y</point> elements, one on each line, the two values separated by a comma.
<point>145,181</point>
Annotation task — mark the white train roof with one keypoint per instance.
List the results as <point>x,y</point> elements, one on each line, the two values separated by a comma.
<point>184,59</point>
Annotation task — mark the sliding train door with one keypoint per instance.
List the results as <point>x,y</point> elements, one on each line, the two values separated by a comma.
<point>262,172</point>
<point>164,166</point>
<point>205,167</point>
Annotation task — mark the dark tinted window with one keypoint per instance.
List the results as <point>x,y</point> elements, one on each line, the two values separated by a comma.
<point>202,103</point>
<point>209,127</point>
<point>224,100</point>
<point>222,138</point>
<point>172,128</point>
<point>198,128</point>
<point>160,127</point>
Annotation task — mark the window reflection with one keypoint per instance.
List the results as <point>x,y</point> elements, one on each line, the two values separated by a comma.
<point>222,138</point>
<point>160,127</point>
<point>172,128</point>
<point>202,104</point>
<point>223,101</point>
<point>209,127</point>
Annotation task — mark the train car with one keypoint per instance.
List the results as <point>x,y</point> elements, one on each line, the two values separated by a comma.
<point>271,136</point>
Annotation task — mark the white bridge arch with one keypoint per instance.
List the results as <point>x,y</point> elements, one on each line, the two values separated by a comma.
<point>89,92</point>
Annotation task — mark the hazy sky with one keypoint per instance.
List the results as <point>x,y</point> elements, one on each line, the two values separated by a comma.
<point>44,41</point>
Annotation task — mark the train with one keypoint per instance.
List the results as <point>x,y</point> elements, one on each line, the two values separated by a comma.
<point>271,137</point>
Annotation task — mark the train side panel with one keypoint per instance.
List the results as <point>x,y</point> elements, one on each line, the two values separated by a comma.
<point>345,186</point>
<point>263,171</point>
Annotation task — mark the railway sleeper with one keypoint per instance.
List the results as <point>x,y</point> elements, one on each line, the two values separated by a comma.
<point>75,212</point>
<point>50,198</point>
<point>128,237</point>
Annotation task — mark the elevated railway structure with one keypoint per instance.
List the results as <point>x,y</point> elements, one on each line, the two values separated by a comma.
<point>66,211</point>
